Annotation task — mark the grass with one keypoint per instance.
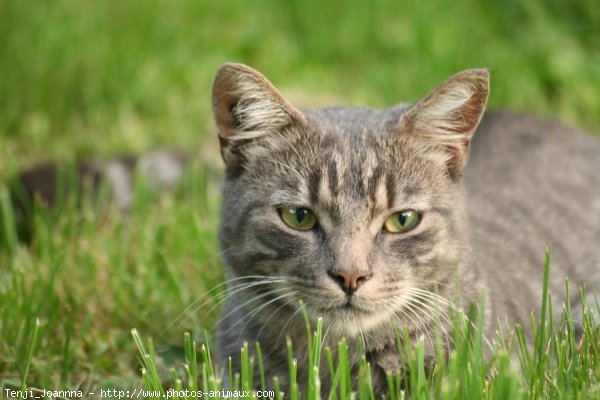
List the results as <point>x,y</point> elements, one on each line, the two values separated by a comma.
<point>94,79</point>
<point>555,366</point>
<point>82,79</point>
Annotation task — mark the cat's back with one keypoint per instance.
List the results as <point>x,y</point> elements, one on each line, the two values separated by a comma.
<point>533,183</point>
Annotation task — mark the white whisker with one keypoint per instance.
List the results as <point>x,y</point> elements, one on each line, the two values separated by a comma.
<point>221,297</point>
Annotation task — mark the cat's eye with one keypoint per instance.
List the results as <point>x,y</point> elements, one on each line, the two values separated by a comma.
<point>402,221</point>
<point>299,218</point>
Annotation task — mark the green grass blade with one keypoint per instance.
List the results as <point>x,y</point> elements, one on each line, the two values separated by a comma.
<point>32,344</point>
<point>8,221</point>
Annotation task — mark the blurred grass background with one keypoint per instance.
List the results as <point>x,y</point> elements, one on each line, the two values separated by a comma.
<point>97,78</point>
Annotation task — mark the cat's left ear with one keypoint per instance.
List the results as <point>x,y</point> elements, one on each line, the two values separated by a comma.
<point>449,115</point>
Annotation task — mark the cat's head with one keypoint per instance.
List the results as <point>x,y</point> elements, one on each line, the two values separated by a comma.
<point>354,211</point>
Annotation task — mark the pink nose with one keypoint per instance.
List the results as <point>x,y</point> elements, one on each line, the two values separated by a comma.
<point>349,282</point>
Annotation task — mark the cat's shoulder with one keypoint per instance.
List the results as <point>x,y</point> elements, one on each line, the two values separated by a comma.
<point>524,130</point>
<point>515,140</point>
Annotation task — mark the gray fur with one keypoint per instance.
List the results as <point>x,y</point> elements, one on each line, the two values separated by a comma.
<point>47,182</point>
<point>160,169</point>
<point>529,183</point>
<point>533,184</point>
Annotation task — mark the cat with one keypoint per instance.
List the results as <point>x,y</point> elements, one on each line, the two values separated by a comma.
<point>49,181</point>
<point>374,219</point>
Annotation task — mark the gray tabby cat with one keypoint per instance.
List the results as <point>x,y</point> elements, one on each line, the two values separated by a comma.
<point>50,181</point>
<point>371,219</point>
<point>161,169</point>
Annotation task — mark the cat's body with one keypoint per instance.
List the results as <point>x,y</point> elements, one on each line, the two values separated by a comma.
<point>532,183</point>
<point>363,216</point>
<point>50,181</point>
<point>160,169</point>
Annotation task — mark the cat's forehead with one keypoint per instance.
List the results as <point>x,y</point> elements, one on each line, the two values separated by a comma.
<point>349,162</point>
<point>356,140</point>
<point>350,122</point>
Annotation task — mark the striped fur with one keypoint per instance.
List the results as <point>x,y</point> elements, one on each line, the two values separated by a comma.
<point>354,167</point>
<point>49,181</point>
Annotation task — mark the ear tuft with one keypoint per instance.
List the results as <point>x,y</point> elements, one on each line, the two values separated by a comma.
<point>450,114</point>
<point>246,106</point>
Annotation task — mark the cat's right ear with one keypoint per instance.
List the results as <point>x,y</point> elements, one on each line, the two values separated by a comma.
<point>246,108</point>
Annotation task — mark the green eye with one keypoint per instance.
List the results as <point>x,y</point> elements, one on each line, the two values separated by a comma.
<point>298,218</point>
<point>402,221</point>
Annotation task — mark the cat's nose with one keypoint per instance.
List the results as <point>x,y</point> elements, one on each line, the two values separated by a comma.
<point>349,282</point>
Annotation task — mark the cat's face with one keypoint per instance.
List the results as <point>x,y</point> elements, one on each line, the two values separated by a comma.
<point>353,211</point>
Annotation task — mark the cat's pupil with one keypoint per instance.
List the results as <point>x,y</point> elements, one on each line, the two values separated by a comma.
<point>300,214</point>
<point>403,217</point>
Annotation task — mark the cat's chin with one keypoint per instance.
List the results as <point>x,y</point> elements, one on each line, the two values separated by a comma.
<point>352,322</point>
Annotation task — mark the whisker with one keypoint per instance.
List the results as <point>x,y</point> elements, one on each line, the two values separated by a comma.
<point>299,309</point>
<point>420,322</point>
<point>456,309</point>
<point>433,303</point>
<point>435,311</point>
<point>195,302</point>
<point>249,301</point>
<point>221,297</point>
<point>287,303</point>
<point>252,300</point>
<point>249,317</point>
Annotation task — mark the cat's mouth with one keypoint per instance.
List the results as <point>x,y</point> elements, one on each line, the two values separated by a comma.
<point>348,316</point>
<point>351,307</point>
<point>351,319</point>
